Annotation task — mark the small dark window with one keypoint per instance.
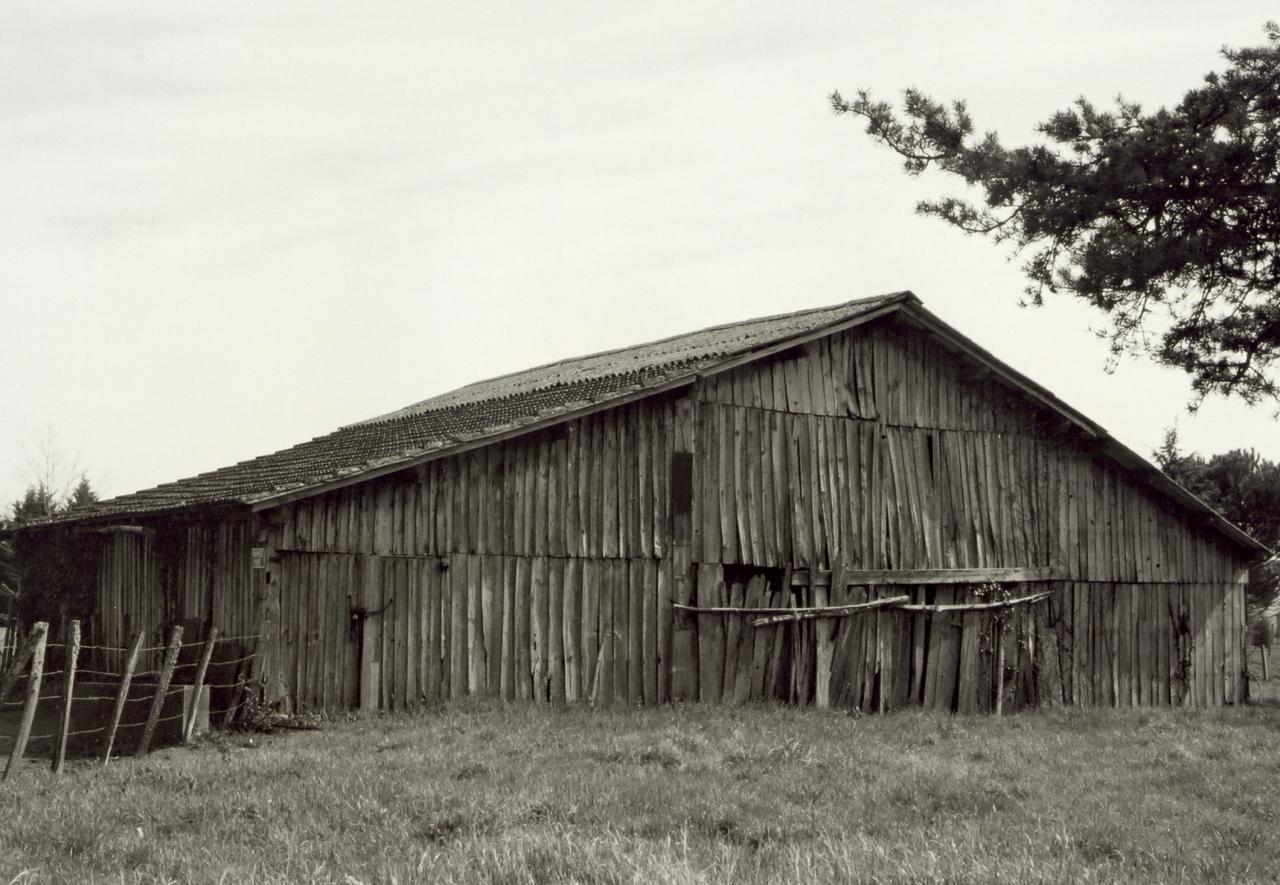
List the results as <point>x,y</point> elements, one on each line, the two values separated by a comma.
<point>681,483</point>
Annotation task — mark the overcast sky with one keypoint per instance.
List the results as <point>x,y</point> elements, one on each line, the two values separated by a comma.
<point>228,228</point>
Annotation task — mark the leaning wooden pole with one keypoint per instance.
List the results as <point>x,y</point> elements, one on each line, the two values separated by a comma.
<point>253,669</point>
<point>68,695</point>
<point>41,633</point>
<point>203,668</point>
<point>19,660</point>
<point>162,689</point>
<point>130,664</point>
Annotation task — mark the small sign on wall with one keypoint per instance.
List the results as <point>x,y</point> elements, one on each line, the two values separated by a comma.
<point>258,556</point>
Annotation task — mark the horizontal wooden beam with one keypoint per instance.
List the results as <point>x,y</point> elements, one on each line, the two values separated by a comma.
<point>121,530</point>
<point>828,611</point>
<point>778,614</point>
<point>781,615</point>
<point>865,577</point>
<point>977,606</point>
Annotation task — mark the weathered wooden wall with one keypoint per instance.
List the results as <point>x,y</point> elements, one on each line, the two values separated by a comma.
<point>595,487</point>
<point>545,566</point>
<point>171,572</point>
<point>889,452</point>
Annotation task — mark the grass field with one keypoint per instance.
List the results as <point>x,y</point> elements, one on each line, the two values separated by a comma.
<point>492,793</point>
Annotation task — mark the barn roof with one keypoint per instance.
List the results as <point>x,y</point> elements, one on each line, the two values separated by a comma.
<point>518,402</point>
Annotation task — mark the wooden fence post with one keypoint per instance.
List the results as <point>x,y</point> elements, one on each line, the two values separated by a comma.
<point>157,703</point>
<point>41,633</point>
<point>19,660</point>
<point>131,662</point>
<point>68,694</point>
<point>190,725</point>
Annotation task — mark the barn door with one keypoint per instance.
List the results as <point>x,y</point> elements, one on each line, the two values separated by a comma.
<point>394,629</point>
<point>318,650</point>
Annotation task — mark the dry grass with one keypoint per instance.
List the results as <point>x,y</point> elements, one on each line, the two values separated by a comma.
<point>492,793</point>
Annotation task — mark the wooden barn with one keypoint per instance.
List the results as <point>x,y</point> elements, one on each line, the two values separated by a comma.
<point>851,506</point>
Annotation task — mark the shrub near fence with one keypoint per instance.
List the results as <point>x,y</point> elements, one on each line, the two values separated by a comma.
<point>88,711</point>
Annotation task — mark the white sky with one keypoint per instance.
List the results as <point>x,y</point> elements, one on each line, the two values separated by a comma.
<point>228,228</point>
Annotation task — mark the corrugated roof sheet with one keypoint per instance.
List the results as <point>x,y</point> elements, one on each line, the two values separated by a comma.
<point>476,411</point>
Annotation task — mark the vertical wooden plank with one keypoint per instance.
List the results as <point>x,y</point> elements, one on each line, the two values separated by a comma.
<point>336,630</point>
<point>710,633</point>
<point>635,632</point>
<point>555,629</point>
<point>571,626</point>
<point>689,475</point>
<point>591,580</point>
<point>575,490</point>
<point>603,688</point>
<point>384,619</point>
<point>664,626</point>
<point>457,628</point>
<point>1214,597</point>
<point>1160,627</point>
<point>609,466</point>
<point>917,629</point>
<point>620,645</point>
<point>647,587</point>
<point>754,597</point>
<point>643,454</point>
<point>626,481</point>
<point>778,447</point>
<point>970,651</point>
<point>775,670</point>
<point>555,495</point>
<point>661,478</point>
<point>1237,674</point>
<point>733,634</point>
<point>432,621</point>
<point>510,633</point>
<point>762,484</point>
<point>538,629</point>
<point>415,634</point>
<point>824,630</point>
<point>494,634</point>
<point>948,652</point>
<point>523,642</point>
<point>729,535</point>
<point>370,601</point>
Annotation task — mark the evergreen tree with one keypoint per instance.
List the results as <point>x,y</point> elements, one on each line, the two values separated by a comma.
<point>1241,486</point>
<point>40,500</point>
<point>1169,221</point>
<point>83,495</point>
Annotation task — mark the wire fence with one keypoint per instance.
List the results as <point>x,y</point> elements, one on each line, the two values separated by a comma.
<point>94,711</point>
